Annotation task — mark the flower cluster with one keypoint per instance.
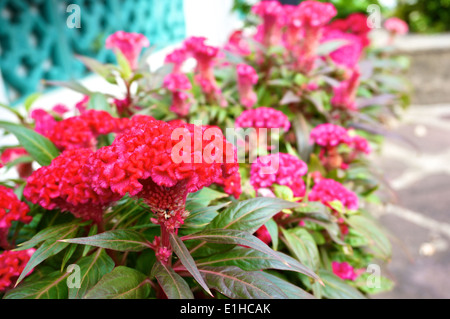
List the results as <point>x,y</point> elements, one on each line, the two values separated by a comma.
<point>263,117</point>
<point>396,26</point>
<point>12,263</point>
<point>328,190</point>
<point>344,270</point>
<point>65,184</point>
<point>178,83</point>
<point>247,77</point>
<point>329,135</point>
<point>11,209</point>
<point>282,169</point>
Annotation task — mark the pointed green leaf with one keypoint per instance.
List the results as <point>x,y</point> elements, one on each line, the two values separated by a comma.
<point>292,291</point>
<point>174,286</point>
<point>121,283</point>
<point>302,245</point>
<point>336,288</point>
<point>119,240</point>
<point>235,283</point>
<point>38,146</point>
<point>186,259</point>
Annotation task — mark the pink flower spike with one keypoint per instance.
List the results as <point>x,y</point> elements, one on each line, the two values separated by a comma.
<point>177,58</point>
<point>247,78</point>
<point>329,135</point>
<point>396,26</point>
<point>130,44</point>
<point>328,190</point>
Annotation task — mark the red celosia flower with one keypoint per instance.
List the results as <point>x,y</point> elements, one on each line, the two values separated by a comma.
<point>360,144</point>
<point>283,169</point>
<point>60,109</point>
<point>328,190</point>
<point>82,105</point>
<point>12,263</point>
<point>347,55</point>
<point>11,209</point>
<point>43,121</point>
<point>345,93</point>
<point>177,83</point>
<point>329,135</point>
<point>237,44</point>
<point>66,184</point>
<point>396,26</point>
<point>263,234</point>
<point>344,270</point>
<point>149,161</point>
<point>130,44</point>
<point>177,58</point>
<point>272,14</point>
<point>247,78</point>
<point>11,154</point>
<point>355,23</point>
<point>263,117</point>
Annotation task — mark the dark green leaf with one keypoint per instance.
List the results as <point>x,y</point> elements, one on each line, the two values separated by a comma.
<point>336,288</point>
<point>302,245</point>
<point>121,283</point>
<point>38,146</point>
<point>292,291</point>
<point>119,240</point>
<point>173,285</point>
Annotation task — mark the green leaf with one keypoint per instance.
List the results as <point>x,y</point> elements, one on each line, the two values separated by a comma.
<point>121,283</point>
<point>95,66</point>
<point>124,65</point>
<point>50,233</point>
<point>272,228</point>
<point>98,102</point>
<point>234,237</point>
<point>50,286</point>
<point>250,214</point>
<point>92,269</point>
<point>205,196</point>
<point>73,85</point>
<point>302,245</point>
<point>292,291</point>
<point>38,146</point>
<point>378,242</point>
<point>186,259</point>
<point>200,217</point>
<point>174,286</point>
<point>119,240</point>
<point>252,260</point>
<point>49,248</point>
<point>336,288</point>
<point>29,101</point>
<point>235,283</point>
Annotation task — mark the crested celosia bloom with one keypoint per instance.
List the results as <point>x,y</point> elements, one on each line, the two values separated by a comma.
<point>360,144</point>
<point>328,190</point>
<point>12,154</point>
<point>263,117</point>
<point>205,55</point>
<point>282,169</point>
<point>356,24</point>
<point>314,16</point>
<point>329,135</point>
<point>347,55</point>
<point>237,44</point>
<point>81,131</point>
<point>178,83</point>
<point>396,26</point>
<point>66,184</point>
<point>177,58</point>
<point>294,23</point>
<point>344,94</point>
<point>247,78</point>
<point>11,209</point>
<point>231,185</point>
<point>43,121</point>
<point>344,270</point>
<point>129,43</point>
<point>272,14</point>
<point>161,163</point>
<point>12,263</point>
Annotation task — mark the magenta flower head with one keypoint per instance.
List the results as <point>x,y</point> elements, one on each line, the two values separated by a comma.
<point>344,95</point>
<point>66,184</point>
<point>356,24</point>
<point>129,44</point>
<point>329,135</point>
<point>360,144</point>
<point>11,209</point>
<point>11,154</point>
<point>263,117</point>
<point>247,78</point>
<point>272,14</point>
<point>344,270</point>
<point>178,83</point>
<point>328,190</point>
<point>282,169</point>
<point>237,44</point>
<point>177,58</point>
<point>396,26</point>
<point>12,263</point>
<point>347,55</point>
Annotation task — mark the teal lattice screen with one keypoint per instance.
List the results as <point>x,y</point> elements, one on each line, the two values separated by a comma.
<point>35,42</point>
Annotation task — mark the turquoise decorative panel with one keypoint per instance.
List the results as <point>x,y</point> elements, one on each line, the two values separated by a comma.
<point>36,43</point>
